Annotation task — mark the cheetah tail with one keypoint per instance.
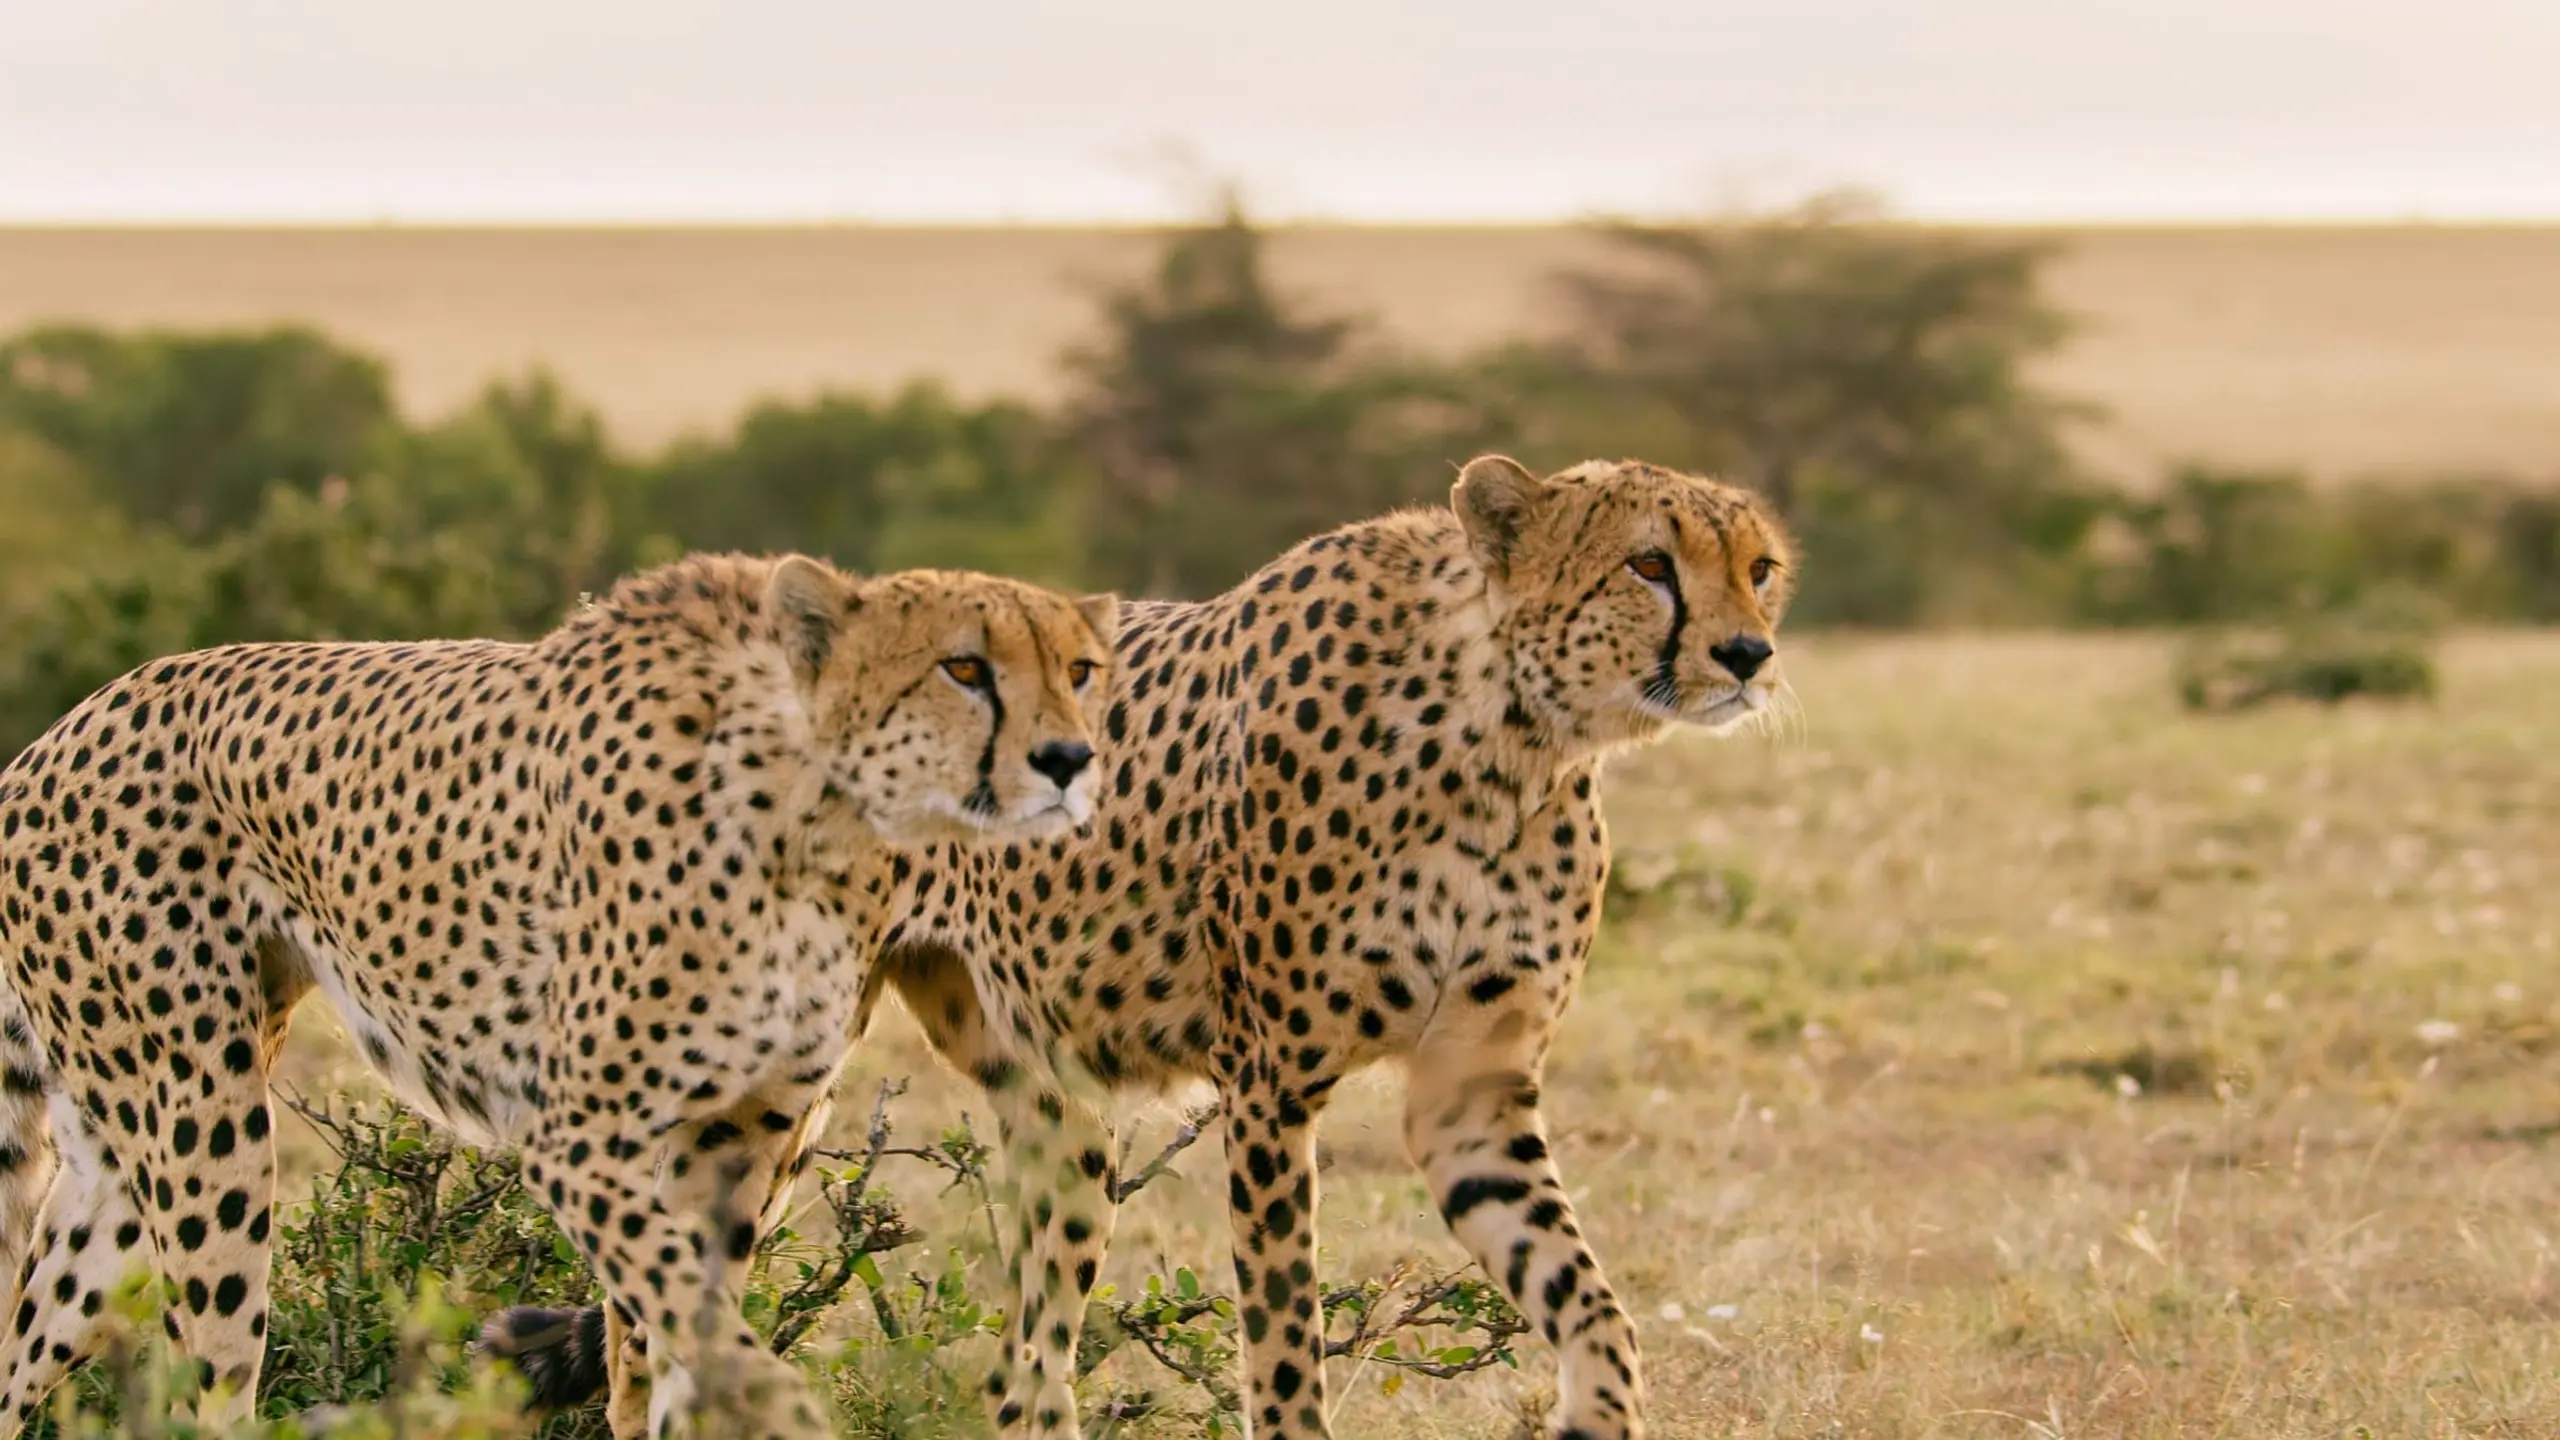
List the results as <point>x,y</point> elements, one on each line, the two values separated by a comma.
<point>26,1141</point>
<point>559,1352</point>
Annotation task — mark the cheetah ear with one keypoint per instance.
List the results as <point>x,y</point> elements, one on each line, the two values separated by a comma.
<point>809,604</point>
<point>1102,612</point>
<point>1496,499</point>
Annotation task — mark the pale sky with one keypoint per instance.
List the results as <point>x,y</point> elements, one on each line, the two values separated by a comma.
<point>978,110</point>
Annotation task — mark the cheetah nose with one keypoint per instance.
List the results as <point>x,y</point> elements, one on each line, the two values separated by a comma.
<point>1743,655</point>
<point>1062,760</point>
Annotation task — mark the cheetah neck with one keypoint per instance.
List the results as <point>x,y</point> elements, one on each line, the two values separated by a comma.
<point>1512,761</point>
<point>761,785</point>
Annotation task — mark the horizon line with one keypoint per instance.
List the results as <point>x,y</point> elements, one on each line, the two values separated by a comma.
<point>2201,220</point>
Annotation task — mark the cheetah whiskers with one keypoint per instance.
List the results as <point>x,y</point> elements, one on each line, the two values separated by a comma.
<point>1783,721</point>
<point>1662,693</point>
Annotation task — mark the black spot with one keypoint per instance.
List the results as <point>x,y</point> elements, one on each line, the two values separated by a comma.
<point>1478,1190</point>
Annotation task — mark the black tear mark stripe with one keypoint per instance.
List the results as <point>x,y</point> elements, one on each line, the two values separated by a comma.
<point>1665,689</point>
<point>983,798</point>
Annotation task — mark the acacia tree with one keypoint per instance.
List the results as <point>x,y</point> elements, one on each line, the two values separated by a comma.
<point>1870,379</point>
<point>1224,421</point>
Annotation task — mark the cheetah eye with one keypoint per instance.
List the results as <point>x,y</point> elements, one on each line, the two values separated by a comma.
<point>970,671</point>
<point>1080,673</point>
<point>1652,567</point>
<point>1761,570</point>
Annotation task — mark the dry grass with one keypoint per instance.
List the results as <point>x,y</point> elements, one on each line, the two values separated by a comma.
<point>2345,350</point>
<point>2016,1054</point>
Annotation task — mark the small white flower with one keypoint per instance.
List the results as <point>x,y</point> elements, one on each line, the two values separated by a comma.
<point>1723,1312</point>
<point>2438,1032</point>
<point>1870,1334</point>
<point>2127,1086</point>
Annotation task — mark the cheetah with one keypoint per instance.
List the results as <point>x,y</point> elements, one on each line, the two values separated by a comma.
<point>608,897</point>
<point>1352,815</point>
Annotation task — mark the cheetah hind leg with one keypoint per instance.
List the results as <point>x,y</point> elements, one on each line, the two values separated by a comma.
<point>27,1157</point>
<point>211,1236</point>
<point>87,1243</point>
<point>208,1243</point>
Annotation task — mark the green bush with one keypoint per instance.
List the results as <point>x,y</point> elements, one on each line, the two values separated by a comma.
<point>189,431</point>
<point>2381,646</point>
<point>918,479</point>
<point>407,1241</point>
<point>1873,380</point>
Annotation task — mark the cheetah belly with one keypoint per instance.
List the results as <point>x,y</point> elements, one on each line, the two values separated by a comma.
<point>475,1077</point>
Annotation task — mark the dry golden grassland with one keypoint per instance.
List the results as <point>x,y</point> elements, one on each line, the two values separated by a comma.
<point>2347,350</point>
<point>2005,1052</point>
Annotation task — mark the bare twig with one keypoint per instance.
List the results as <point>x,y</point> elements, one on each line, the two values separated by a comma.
<point>864,1226</point>
<point>1194,1125</point>
<point>1215,1379</point>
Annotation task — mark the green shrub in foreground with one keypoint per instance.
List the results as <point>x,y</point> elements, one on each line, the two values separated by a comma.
<point>408,1241</point>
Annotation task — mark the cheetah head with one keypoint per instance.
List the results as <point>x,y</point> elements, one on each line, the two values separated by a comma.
<point>1629,597</point>
<point>948,705</point>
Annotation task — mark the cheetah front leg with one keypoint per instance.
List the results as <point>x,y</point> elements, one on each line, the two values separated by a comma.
<point>656,1262</point>
<point>1058,1158</point>
<point>1472,1125</point>
<point>739,1169</point>
<point>1058,1147</point>
<point>1271,1193</point>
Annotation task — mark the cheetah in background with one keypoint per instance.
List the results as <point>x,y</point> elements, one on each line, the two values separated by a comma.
<point>609,896</point>
<point>1352,814</point>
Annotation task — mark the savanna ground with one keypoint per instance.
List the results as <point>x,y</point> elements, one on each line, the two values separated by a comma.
<point>2343,350</point>
<point>2005,1051</point>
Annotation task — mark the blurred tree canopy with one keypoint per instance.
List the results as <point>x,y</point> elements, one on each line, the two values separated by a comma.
<point>1224,422</point>
<point>162,491</point>
<point>1868,379</point>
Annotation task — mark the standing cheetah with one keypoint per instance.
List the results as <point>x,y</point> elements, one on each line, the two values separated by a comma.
<point>610,896</point>
<point>1353,814</point>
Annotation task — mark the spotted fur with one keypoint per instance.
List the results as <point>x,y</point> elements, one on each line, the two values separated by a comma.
<point>609,897</point>
<point>1353,815</point>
